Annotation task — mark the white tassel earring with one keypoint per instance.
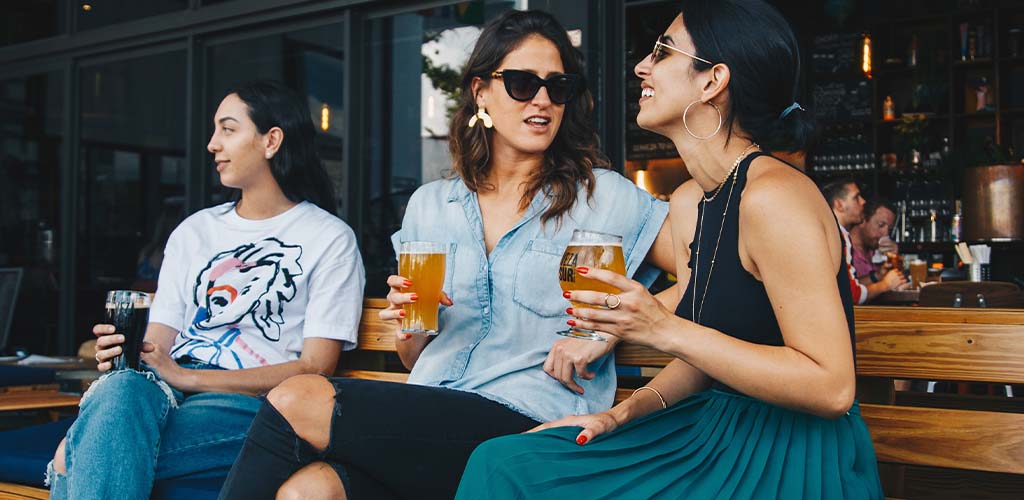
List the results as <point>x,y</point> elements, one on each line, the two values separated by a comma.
<point>482,116</point>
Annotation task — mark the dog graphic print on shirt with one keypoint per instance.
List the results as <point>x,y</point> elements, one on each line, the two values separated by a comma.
<point>246,287</point>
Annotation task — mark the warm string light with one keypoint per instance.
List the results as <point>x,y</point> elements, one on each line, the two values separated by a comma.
<point>641,180</point>
<point>865,63</point>
<point>325,117</point>
<point>86,7</point>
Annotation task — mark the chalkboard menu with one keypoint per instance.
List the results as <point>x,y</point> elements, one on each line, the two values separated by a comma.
<point>842,100</point>
<point>641,144</point>
<point>836,53</point>
<point>840,91</point>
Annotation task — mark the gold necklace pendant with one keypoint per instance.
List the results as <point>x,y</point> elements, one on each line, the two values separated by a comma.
<point>697,313</point>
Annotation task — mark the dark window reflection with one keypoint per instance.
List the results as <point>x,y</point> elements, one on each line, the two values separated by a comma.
<point>132,175</point>
<point>311,62</point>
<point>97,13</point>
<point>25,21</point>
<point>415,57</point>
<point>30,144</point>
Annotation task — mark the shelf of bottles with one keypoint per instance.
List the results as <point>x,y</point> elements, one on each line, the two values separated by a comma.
<point>844,150</point>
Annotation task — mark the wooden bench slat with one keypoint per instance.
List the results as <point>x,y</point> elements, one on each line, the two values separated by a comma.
<point>635,355</point>
<point>938,315</point>
<point>959,439</point>
<point>35,400</point>
<point>941,351</point>
<point>374,375</point>
<point>11,491</point>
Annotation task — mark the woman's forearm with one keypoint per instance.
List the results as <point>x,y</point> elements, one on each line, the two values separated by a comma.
<point>796,381</point>
<point>249,381</point>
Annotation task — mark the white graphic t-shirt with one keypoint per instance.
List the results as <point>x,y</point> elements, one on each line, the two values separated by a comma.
<point>245,293</point>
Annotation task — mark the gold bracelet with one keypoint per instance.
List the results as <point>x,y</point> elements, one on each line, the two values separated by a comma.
<point>663,404</point>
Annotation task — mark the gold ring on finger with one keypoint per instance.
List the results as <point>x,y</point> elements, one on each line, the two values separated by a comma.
<point>609,303</point>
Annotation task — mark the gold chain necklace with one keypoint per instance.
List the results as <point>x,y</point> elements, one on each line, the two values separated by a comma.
<point>733,169</point>
<point>696,313</point>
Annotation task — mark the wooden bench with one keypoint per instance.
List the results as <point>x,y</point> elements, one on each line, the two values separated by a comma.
<point>916,434</point>
<point>892,343</point>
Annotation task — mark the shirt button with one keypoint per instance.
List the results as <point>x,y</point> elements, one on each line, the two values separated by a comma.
<point>487,310</point>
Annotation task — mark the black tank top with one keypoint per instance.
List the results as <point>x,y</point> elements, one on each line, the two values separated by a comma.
<point>734,302</point>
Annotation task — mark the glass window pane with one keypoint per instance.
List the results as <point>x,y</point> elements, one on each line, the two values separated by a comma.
<point>96,13</point>
<point>25,21</point>
<point>408,125</point>
<point>131,176</point>
<point>310,61</point>
<point>30,145</point>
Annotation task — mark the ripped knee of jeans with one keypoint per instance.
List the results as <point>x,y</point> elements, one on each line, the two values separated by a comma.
<point>51,475</point>
<point>105,378</point>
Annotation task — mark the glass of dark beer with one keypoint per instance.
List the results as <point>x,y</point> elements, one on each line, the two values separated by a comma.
<point>128,311</point>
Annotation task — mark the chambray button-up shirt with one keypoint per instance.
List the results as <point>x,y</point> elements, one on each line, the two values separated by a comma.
<point>508,305</point>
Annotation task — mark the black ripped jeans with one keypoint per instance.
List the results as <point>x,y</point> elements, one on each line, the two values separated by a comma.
<point>388,440</point>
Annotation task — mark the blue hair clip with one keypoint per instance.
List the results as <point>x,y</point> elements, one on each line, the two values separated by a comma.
<point>790,109</point>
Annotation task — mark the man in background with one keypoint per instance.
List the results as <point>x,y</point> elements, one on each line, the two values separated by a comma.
<point>844,196</point>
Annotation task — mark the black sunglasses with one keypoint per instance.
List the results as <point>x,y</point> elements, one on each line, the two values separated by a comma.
<point>523,85</point>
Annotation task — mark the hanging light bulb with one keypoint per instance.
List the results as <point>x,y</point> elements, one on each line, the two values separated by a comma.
<point>865,62</point>
<point>325,117</point>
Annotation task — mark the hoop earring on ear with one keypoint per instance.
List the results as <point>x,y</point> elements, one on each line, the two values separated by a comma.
<point>482,116</point>
<point>687,127</point>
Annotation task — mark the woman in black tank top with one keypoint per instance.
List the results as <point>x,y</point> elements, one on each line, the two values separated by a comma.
<point>760,400</point>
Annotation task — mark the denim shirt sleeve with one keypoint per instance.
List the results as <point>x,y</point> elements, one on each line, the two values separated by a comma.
<point>639,217</point>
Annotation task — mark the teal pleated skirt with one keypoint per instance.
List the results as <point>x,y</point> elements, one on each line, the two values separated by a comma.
<point>712,445</point>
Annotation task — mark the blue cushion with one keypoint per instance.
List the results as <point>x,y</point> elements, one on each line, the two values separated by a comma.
<point>25,452</point>
<point>25,375</point>
<point>188,489</point>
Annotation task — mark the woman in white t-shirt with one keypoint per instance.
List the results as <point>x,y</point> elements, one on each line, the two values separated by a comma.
<point>251,292</point>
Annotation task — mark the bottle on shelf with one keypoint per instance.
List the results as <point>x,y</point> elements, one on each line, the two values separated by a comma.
<point>888,109</point>
<point>954,228</point>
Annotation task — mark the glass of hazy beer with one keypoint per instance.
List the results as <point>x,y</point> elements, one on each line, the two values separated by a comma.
<point>596,251</point>
<point>128,311</point>
<point>422,262</point>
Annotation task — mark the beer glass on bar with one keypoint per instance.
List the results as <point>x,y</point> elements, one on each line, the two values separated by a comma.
<point>422,262</point>
<point>596,251</point>
<point>128,311</point>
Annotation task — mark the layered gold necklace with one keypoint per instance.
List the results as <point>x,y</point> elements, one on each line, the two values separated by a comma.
<point>696,312</point>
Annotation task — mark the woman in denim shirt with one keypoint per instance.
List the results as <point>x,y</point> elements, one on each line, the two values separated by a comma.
<point>525,157</point>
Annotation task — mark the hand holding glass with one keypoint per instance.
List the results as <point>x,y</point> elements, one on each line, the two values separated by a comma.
<point>422,263</point>
<point>596,251</point>
<point>128,311</point>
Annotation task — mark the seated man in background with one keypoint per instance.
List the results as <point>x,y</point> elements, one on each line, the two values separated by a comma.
<point>871,244</point>
<point>843,195</point>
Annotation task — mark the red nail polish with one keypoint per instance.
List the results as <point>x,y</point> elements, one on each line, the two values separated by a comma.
<point>571,322</point>
<point>583,270</point>
<point>414,296</point>
<point>408,336</point>
<point>406,283</point>
<point>566,294</point>
<point>568,310</point>
<point>401,313</point>
<point>581,440</point>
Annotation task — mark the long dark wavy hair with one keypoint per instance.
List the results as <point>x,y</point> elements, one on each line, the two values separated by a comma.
<point>296,167</point>
<point>573,154</point>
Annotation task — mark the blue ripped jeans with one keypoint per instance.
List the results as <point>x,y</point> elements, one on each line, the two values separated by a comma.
<point>134,429</point>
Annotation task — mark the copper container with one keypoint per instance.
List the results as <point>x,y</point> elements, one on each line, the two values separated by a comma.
<point>993,203</point>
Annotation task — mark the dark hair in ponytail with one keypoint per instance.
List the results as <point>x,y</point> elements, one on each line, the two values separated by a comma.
<point>296,167</point>
<point>758,45</point>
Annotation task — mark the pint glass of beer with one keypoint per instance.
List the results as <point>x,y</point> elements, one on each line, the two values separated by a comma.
<point>596,251</point>
<point>128,311</point>
<point>422,262</point>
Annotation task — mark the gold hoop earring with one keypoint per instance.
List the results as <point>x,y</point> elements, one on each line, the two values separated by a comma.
<point>687,127</point>
<point>482,116</point>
